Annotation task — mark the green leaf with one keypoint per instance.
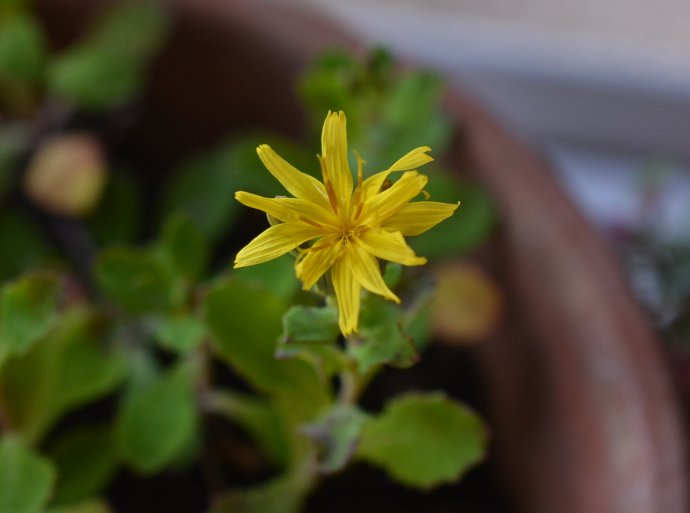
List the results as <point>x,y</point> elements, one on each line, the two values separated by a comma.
<point>245,322</point>
<point>157,425</point>
<point>107,68</point>
<point>468,228</point>
<point>87,506</point>
<point>336,436</point>
<point>277,276</point>
<point>22,51</point>
<point>94,78</point>
<point>26,478</point>
<point>382,338</point>
<point>133,28</point>
<point>203,188</point>
<point>63,371</point>
<point>424,440</point>
<point>310,324</point>
<point>86,461</point>
<point>310,333</point>
<point>284,494</point>
<point>27,312</point>
<point>184,247</point>
<point>180,334</point>
<point>134,279</point>
<point>258,417</point>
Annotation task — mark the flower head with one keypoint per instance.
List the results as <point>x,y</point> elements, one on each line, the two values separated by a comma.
<point>347,226</point>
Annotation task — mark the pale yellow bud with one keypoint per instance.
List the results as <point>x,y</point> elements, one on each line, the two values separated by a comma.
<point>67,174</point>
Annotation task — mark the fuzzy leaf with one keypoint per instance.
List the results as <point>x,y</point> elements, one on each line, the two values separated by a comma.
<point>185,248</point>
<point>26,478</point>
<point>158,424</point>
<point>65,370</point>
<point>284,494</point>
<point>134,279</point>
<point>87,506</point>
<point>22,51</point>
<point>107,67</point>
<point>424,440</point>
<point>27,312</point>
<point>181,334</point>
<point>245,322</point>
<point>310,324</point>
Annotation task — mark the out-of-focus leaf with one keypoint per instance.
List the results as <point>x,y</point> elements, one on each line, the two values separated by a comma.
<point>134,279</point>
<point>382,338</point>
<point>26,478</point>
<point>184,247</point>
<point>27,251</point>
<point>245,322</point>
<point>310,324</point>
<point>27,312</point>
<point>87,506</point>
<point>203,189</point>
<point>107,68</point>
<point>22,51</point>
<point>133,28</point>
<point>158,424</point>
<point>86,461</point>
<point>468,228</point>
<point>94,78</point>
<point>284,494</point>
<point>336,436</point>
<point>277,276</point>
<point>64,370</point>
<point>424,440</point>
<point>389,113</point>
<point>258,417</point>
<point>181,333</point>
<point>116,219</point>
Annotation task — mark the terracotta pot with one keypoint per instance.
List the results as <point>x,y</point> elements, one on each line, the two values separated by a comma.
<point>583,416</point>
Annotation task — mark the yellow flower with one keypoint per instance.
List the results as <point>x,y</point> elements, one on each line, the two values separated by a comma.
<point>350,228</point>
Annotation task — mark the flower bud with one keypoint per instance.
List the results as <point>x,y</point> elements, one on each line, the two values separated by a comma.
<point>67,174</point>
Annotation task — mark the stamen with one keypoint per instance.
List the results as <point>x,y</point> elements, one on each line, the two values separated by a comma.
<point>359,211</point>
<point>309,221</point>
<point>332,199</point>
<point>321,246</point>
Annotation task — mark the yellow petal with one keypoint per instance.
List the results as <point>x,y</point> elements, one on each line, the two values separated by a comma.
<point>418,217</point>
<point>414,159</point>
<point>299,184</point>
<point>387,203</point>
<point>274,242</point>
<point>347,292</point>
<point>287,209</point>
<point>366,269</point>
<point>389,246</point>
<point>334,153</point>
<point>318,261</point>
